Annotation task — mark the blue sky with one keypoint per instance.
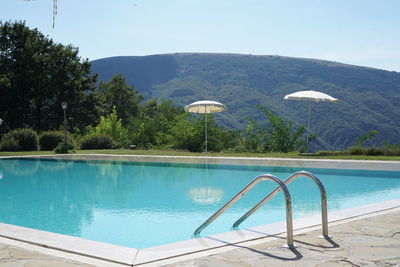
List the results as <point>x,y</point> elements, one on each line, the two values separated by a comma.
<point>359,32</point>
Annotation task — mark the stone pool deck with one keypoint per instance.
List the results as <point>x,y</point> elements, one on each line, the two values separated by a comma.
<point>370,240</point>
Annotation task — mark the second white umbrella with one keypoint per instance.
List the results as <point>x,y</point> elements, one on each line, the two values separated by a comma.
<point>313,96</point>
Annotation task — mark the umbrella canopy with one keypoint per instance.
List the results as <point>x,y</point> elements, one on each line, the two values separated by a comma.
<point>205,107</point>
<point>313,96</point>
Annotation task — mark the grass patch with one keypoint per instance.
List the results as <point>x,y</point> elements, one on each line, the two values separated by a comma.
<point>25,153</point>
<point>152,152</point>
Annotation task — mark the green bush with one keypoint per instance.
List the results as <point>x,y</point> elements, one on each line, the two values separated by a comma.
<point>24,139</point>
<point>111,126</point>
<point>328,153</point>
<point>8,143</point>
<point>276,134</point>
<point>97,141</point>
<point>240,148</point>
<point>392,151</point>
<point>64,147</point>
<point>374,151</point>
<point>356,150</point>
<point>50,139</point>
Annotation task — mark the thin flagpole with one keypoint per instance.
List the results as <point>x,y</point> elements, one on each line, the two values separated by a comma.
<point>206,129</point>
<point>308,124</point>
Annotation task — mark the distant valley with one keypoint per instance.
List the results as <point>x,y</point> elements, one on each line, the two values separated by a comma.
<point>369,98</point>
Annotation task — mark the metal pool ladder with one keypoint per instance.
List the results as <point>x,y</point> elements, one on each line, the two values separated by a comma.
<point>281,186</point>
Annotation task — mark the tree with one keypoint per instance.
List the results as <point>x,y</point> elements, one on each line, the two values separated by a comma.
<point>181,135</point>
<point>187,132</point>
<point>111,125</point>
<point>219,138</point>
<point>36,75</point>
<point>117,93</point>
<point>215,133</point>
<point>254,137</point>
<point>153,122</point>
<point>277,135</point>
<point>364,139</point>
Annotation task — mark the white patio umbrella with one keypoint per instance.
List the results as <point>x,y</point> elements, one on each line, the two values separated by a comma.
<point>205,107</point>
<point>312,96</point>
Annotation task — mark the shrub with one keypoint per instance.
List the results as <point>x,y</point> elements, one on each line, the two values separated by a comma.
<point>8,143</point>
<point>240,148</point>
<point>392,151</point>
<point>20,139</point>
<point>112,126</point>
<point>374,151</point>
<point>356,150</point>
<point>64,147</point>
<point>50,139</point>
<point>328,153</point>
<point>276,135</point>
<point>97,141</point>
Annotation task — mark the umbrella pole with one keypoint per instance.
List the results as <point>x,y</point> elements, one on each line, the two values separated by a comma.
<point>308,124</point>
<point>206,130</point>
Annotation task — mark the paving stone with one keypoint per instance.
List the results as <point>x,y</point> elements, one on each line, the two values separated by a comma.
<point>12,263</point>
<point>372,241</point>
<point>23,254</point>
<point>4,254</point>
<point>15,257</point>
<point>52,263</point>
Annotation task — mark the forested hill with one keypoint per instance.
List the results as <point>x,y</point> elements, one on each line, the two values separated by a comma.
<point>369,98</point>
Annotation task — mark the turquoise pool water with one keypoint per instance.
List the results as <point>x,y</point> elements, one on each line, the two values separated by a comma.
<point>147,204</point>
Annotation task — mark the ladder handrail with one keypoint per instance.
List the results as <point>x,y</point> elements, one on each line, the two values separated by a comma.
<point>286,182</point>
<point>262,177</point>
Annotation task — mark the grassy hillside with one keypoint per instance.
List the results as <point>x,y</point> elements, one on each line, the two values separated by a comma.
<point>368,97</point>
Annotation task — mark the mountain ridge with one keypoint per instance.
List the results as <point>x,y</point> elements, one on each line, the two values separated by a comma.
<point>368,97</point>
<point>330,62</point>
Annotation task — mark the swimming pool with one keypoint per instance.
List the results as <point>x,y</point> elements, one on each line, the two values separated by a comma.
<point>140,205</point>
